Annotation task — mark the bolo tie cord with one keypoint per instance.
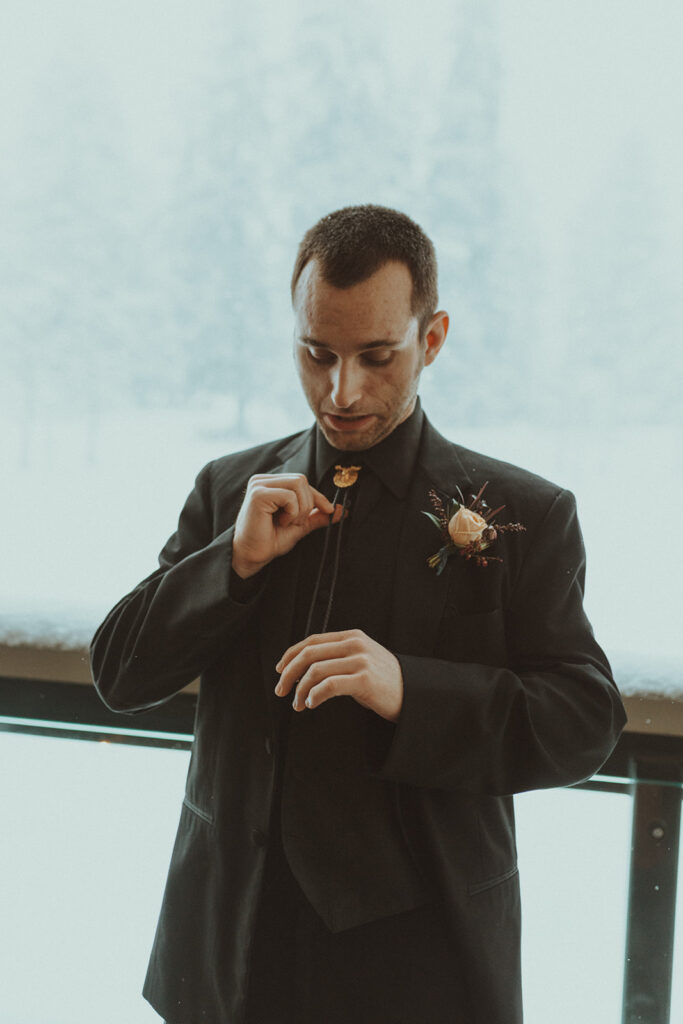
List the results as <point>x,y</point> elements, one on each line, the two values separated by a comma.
<point>335,567</point>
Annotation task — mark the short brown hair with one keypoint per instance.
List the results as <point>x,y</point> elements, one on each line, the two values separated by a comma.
<point>353,243</point>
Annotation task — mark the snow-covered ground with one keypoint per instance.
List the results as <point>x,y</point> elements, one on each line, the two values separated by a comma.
<point>86,510</point>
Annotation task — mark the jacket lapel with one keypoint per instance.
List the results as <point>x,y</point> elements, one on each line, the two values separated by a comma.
<point>419,594</point>
<point>277,610</point>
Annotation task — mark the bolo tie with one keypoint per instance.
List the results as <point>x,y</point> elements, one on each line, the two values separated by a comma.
<point>344,479</point>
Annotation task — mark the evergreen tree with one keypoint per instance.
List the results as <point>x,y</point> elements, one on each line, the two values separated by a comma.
<point>76,280</point>
<point>463,198</point>
<point>625,356</point>
<point>221,230</point>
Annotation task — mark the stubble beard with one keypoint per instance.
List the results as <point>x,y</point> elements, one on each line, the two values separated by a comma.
<point>371,438</point>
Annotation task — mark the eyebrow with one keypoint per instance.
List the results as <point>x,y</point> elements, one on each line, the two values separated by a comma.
<point>382,343</point>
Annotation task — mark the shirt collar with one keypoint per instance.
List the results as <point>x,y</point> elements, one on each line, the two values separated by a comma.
<point>392,460</point>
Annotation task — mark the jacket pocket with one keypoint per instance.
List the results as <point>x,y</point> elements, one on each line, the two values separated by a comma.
<point>204,815</point>
<point>491,883</point>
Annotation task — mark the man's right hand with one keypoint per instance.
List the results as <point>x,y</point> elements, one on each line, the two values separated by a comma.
<point>278,510</point>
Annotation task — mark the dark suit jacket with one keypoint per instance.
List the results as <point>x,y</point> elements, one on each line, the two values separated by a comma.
<point>505,690</point>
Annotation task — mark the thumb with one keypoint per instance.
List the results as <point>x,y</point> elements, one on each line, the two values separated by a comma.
<point>318,519</point>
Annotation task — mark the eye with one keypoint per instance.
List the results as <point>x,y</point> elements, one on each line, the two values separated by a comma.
<point>320,355</point>
<point>378,357</point>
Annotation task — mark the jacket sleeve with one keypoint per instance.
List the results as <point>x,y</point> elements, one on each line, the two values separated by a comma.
<point>164,633</point>
<point>549,717</point>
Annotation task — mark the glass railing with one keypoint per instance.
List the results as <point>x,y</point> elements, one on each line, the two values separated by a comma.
<point>89,829</point>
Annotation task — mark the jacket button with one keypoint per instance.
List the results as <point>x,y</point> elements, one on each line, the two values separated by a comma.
<point>258,837</point>
<point>269,746</point>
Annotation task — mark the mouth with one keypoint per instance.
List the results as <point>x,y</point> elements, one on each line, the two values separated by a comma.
<point>347,423</point>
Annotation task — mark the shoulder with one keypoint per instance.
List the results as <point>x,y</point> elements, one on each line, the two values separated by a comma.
<point>261,456</point>
<point>526,496</point>
<point>224,475</point>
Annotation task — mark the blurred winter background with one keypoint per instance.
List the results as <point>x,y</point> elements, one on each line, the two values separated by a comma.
<point>158,165</point>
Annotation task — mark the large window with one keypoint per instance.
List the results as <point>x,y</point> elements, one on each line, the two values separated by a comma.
<point>158,165</point>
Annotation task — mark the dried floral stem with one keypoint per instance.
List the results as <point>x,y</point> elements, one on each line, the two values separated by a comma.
<point>440,509</point>
<point>475,500</point>
<point>489,515</point>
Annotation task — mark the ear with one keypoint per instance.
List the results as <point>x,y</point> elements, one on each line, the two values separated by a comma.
<point>436,335</point>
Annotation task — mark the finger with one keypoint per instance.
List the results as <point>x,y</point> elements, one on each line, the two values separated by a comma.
<point>316,639</point>
<point>295,482</point>
<point>312,501</point>
<point>320,671</point>
<point>333,686</point>
<point>274,500</point>
<point>321,502</point>
<point>305,495</point>
<point>299,666</point>
<point>277,479</point>
<point>312,520</point>
<point>317,519</point>
<point>343,686</point>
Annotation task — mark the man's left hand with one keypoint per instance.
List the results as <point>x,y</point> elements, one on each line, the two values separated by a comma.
<point>348,663</point>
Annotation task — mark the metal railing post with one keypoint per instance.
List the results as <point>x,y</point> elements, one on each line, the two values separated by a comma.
<point>648,967</point>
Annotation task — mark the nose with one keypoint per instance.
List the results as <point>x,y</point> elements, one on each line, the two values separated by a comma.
<point>347,384</point>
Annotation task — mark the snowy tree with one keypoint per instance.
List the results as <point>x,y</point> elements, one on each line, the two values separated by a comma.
<point>625,314</point>
<point>479,241</point>
<point>220,228</point>
<point>80,305</point>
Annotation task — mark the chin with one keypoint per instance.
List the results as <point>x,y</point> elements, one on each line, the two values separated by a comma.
<point>348,444</point>
<point>353,441</point>
<point>343,442</point>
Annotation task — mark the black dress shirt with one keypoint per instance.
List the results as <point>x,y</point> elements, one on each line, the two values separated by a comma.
<point>370,535</point>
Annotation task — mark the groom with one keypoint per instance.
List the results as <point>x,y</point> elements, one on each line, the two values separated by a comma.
<point>375,682</point>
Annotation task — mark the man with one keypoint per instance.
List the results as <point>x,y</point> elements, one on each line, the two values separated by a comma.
<point>346,848</point>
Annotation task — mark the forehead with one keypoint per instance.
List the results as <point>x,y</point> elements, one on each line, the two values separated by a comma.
<point>379,307</point>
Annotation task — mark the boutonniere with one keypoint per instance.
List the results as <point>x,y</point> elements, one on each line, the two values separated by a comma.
<point>466,529</point>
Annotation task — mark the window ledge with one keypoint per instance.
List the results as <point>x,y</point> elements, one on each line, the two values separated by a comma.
<point>54,664</point>
<point>650,711</point>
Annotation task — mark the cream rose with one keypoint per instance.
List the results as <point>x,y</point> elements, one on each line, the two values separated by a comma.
<point>465,527</point>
